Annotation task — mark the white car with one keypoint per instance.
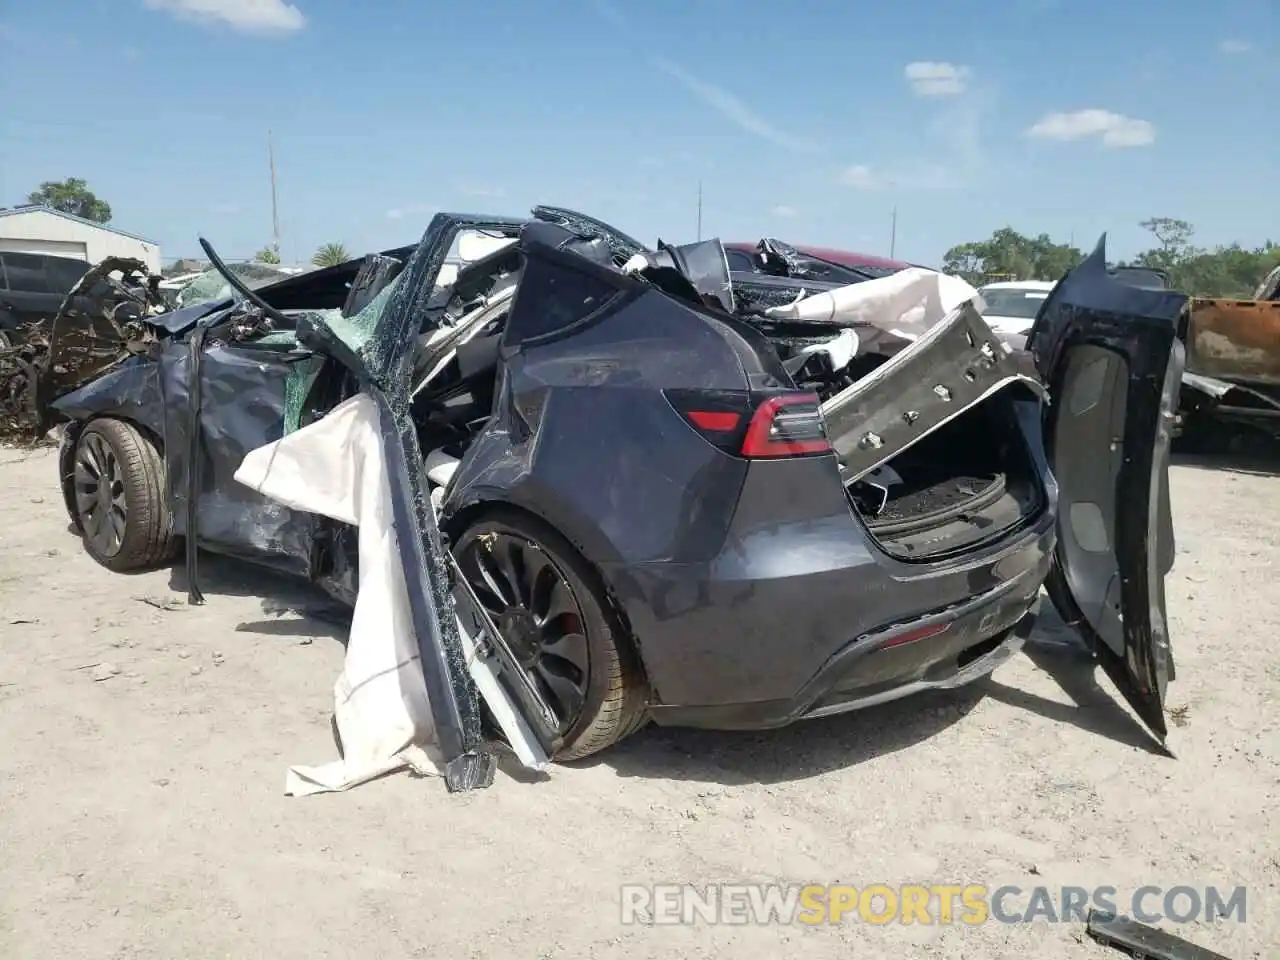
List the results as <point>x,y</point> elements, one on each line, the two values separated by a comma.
<point>1011,308</point>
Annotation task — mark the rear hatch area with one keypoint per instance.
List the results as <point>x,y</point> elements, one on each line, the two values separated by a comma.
<point>933,443</point>
<point>933,422</point>
<point>959,488</point>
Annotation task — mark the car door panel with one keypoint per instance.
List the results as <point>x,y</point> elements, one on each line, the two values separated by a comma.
<point>1110,355</point>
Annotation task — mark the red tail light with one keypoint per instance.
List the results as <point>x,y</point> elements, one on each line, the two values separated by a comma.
<point>751,426</point>
<point>714,421</point>
<point>786,425</point>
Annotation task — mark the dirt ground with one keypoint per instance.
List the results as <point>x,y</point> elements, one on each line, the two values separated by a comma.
<point>143,752</point>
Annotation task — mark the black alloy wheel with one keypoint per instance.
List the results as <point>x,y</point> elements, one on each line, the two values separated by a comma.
<point>115,484</point>
<point>101,506</point>
<point>539,614</point>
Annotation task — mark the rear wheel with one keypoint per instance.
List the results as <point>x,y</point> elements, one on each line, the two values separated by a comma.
<point>548,604</point>
<point>118,489</point>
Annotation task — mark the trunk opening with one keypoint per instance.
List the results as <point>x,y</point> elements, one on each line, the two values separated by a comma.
<point>970,481</point>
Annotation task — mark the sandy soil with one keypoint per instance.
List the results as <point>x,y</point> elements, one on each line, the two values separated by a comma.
<point>144,749</point>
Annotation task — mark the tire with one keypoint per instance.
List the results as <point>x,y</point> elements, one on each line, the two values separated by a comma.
<point>118,483</point>
<point>614,691</point>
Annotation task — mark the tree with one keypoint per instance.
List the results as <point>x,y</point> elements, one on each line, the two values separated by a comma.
<point>1224,271</point>
<point>1008,255</point>
<point>71,196</point>
<point>330,255</point>
<point>267,255</point>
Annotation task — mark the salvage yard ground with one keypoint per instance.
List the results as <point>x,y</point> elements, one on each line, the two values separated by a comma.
<point>143,747</point>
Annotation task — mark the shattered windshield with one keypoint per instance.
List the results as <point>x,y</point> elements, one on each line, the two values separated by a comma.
<point>356,330</point>
<point>211,285</point>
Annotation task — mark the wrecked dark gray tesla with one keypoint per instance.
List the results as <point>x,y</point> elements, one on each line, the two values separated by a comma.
<point>670,506</point>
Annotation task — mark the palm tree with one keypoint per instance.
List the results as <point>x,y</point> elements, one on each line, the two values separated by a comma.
<point>267,255</point>
<point>330,255</point>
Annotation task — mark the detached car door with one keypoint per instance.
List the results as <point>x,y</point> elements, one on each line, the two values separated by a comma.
<point>1110,355</point>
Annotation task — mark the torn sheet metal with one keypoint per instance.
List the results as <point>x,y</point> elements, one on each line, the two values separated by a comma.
<point>1237,340</point>
<point>622,246</point>
<point>101,322</point>
<point>252,395</point>
<point>1217,389</point>
<point>955,365</point>
<point>905,304</point>
<point>337,468</point>
<point>699,272</point>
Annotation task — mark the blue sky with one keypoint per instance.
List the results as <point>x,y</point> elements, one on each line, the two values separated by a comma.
<point>810,121</point>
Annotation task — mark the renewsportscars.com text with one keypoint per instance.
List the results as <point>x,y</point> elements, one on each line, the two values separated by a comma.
<point>970,904</point>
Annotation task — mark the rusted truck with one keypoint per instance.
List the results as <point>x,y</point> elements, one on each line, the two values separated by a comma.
<point>1231,387</point>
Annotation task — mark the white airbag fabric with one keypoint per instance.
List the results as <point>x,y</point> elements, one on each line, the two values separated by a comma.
<point>335,467</point>
<point>905,304</point>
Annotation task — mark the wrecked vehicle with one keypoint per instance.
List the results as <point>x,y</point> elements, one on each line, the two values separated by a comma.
<point>99,320</point>
<point>777,258</point>
<point>1232,381</point>
<point>667,509</point>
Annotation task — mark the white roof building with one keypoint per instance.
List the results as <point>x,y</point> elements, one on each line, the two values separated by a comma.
<point>45,230</point>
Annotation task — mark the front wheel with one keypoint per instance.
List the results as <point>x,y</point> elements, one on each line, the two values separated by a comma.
<point>118,493</point>
<point>546,601</point>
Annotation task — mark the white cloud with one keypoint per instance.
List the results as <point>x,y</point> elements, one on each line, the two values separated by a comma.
<point>1235,46</point>
<point>782,210</point>
<point>930,79</point>
<point>731,108</point>
<point>907,176</point>
<point>1113,129</point>
<point>860,177</point>
<point>262,17</point>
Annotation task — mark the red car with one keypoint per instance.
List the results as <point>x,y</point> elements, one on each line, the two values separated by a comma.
<point>777,258</point>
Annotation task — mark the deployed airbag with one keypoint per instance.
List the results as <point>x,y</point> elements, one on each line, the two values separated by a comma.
<point>336,467</point>
<point>905,304</point>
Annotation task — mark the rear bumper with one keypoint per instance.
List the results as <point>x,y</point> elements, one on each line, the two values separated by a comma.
<point>980,635</point>
<point>802,614</point>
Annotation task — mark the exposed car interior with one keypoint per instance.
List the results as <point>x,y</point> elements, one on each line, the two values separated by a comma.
<point>969,481</point>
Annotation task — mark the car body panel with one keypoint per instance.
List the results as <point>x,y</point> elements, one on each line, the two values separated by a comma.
<point>1234,340</point>
<point>797,585</point>
<point>955,365</point>
<point>566,394</point>
<point>1111,357</point>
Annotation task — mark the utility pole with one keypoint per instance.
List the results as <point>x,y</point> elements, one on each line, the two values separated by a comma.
<point>275,208</point>
<point>699,209</point>
<point>893,233</point>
